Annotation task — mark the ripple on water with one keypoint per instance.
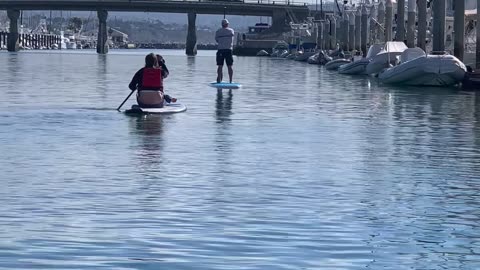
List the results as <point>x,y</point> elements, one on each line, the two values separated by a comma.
<point>300,169</point>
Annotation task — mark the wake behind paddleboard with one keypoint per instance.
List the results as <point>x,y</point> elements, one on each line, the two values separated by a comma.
<point>167,108</point>
<point>225,85</point>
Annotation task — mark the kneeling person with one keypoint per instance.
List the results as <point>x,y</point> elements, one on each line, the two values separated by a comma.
<point>149,83</point>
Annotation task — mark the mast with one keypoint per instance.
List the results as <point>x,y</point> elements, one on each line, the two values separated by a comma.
<point>321,9</point>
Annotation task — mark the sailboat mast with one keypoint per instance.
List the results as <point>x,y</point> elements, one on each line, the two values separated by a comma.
<point>321,9</point>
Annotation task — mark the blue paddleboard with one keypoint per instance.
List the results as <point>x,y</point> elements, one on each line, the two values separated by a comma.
<point>225,85</point>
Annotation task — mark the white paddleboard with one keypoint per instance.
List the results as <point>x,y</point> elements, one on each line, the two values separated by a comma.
<point>225,85</point>
<point>167,108</point>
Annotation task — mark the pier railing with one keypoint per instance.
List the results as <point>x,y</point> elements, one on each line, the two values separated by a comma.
<point>218,2</point>
<point>133,2</point>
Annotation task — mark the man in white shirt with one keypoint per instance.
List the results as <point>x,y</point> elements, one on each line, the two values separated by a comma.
<point>224,37</point>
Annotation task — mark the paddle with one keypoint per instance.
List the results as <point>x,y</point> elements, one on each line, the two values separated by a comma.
<point>118,109</point>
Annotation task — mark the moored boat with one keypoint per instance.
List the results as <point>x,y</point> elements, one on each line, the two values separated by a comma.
<point>425,70</point>
<point>335,64</point>
<point>387,56</point>
<point>303,56</point>
<point>263,53</point>
<point>360,66</point>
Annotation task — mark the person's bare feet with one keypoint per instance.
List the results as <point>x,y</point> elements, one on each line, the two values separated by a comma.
<point>174,100</point>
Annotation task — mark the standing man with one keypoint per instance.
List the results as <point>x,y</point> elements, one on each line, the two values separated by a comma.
<point>224,38</point>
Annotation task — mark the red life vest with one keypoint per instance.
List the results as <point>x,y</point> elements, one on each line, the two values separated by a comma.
<point>152,79</point>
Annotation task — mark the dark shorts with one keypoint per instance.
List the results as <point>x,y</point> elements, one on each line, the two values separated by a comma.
<point>224,55</point>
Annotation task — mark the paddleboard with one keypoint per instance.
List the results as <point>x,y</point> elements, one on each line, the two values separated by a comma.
<point>167,108</point>
<point>225,85</point>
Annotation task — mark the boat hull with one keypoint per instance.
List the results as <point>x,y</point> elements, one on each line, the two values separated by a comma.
<point>381,61</point>
<point>335,64</point>
<point>355,68</point>
<point>304,56</point>
<point>431,70</point>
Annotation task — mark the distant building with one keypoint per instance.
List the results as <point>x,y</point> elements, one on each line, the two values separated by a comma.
<point>118,38</point>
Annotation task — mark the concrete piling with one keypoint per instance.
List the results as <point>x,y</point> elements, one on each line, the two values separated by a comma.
<point>351,31</point>
<point>439,25</point>
<point>364,30</point>
<point>320,36</point>
<point>333,32</point>
<point>326,35</point>
<point>191,46</point>
<point>459,29</point>
<point>13,36</point>
<point>279,19</point>
<point>339,31</point>
<point>400,33</point>
<point>388,20</point>
<point>412,5</point>
<point>345,32</point>
<point>422,24</point>
<point>358,29</point>
<point>372,32</point>
<point>477,51</point>
<point>102,46</point>
<point>381,21</point>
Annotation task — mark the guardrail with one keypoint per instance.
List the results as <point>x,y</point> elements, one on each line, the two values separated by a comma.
<point>72,2</point>
<point>265,2</point>
<point>273,2</point>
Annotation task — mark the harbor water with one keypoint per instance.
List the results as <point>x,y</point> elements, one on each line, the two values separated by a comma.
<point>302,168</point>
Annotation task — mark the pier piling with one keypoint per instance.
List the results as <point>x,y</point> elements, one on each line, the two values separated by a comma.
<point>372,32</point>
<point>381,21</point>
<point>400,33</point>
<point>388,20</point>
<point>13,36</point>
<point>326,37</point>
<point>459,29</point>
<point>333,32</point>
<point>351,33</point>
<point>411,23</point>
<point>102,46</point>
<point>191,46</point>
<point>477,50</point>
<point>439,25</point>
<point>358,29</point>
<point>340,32</point>
<point>320,35</point>
<point>279,19</point>
<point>422,24</point>
<point>364,30</point>
<point>345,31</point>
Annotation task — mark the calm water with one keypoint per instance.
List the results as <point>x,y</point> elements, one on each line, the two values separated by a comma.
<point>300,169</point>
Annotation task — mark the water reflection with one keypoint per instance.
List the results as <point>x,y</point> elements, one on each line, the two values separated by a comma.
<point>13,75</point>
<point>147,132</point>
<point>223,112</point>
<point>339,173</point>
<point>223,106</point>
<point>191,62</point>
<point>102,72</point>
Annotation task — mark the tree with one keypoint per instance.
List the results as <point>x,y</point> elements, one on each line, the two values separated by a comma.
<point>75,24</point>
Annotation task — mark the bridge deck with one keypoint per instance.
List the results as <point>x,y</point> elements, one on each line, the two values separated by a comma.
<point>233,7</point>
